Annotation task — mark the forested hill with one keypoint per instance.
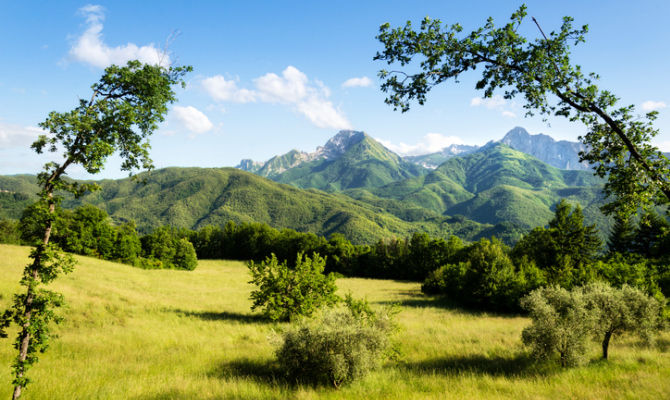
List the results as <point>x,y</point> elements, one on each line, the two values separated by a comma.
<point>195,197</point>
<point>498,184</point>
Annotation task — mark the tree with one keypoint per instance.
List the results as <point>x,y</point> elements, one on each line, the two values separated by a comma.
<point>125,107</point>
<point>561,323</point>
<point>565,249</point>
<point>286,293</point>
<point>617,142</point>
<point>621,310</point>
<point>622,236</point>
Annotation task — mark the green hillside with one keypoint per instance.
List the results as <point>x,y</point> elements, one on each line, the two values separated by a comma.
<point>195,197</point>
<point>364,164</point>
<point>499,185</point>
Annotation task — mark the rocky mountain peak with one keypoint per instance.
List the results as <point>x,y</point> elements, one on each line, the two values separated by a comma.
<point>338,144</point>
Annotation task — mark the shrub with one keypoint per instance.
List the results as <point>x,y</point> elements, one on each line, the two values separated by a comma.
<point>339,346</point>
<point>285,293</point>
<point>486,279</point>
<point>621,310</point>
<point>561,322</point>
<point>167,248</point>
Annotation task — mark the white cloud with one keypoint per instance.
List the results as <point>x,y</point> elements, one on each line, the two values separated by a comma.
<point>322,113</point>
<point>430,143</point>
<point>192,119</point>
<point>358,82</point>
<point>221,89</point>
<point>492,103</point>
<point>663,146</point>
<point>18,136</point>
<point>293,88</point>
<point>89,48</point>
<point>497,103</point>
<point>650,105</point>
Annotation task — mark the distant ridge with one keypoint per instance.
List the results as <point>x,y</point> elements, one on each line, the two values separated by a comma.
<point>561,154</point>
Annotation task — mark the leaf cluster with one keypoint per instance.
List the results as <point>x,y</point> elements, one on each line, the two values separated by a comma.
<point>286,293</point>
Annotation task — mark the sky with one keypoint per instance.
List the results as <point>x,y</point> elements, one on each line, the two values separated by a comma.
<point>271,76</point>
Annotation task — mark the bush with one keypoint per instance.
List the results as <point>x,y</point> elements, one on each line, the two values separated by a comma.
<point>339,346</point>
<point>285,293</point>
<point>167,248</point>
<point>561,324</point>
<point>486,279</point>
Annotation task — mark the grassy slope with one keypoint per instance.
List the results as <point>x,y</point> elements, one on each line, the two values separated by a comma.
<point>136,334</point>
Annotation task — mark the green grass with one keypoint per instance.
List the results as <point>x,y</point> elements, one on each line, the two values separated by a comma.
<point>138,334</point>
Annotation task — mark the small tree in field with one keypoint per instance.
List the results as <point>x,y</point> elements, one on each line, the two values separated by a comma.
<point>285,293</point>
<point>125,107</point>
<point>561,324</point>
<point>621,310</point>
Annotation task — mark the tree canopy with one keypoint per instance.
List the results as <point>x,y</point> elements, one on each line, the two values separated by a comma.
<point>540,70</point>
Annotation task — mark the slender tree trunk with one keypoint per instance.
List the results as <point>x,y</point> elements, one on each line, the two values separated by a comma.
<point>25,335</point>
<point>606,343</point>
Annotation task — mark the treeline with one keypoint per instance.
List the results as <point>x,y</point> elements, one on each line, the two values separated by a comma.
<point>88,230</point>
<point>485,274</point>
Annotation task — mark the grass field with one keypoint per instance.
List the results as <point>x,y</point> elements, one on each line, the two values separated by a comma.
<point>137,334</point>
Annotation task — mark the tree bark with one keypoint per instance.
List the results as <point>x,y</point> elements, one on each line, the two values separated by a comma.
<point>606,343</point>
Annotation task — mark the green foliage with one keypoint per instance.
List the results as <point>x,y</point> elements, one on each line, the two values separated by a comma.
<point>9,231</point>
<point>285,293</point>
<point>565,250</point>
<point>622,310</point>
<point>338,346</point>
<point>167,248</point>
<point>486,278</point>
<point>561,323</point>
<point>618,141</point>
<point>622,236</point>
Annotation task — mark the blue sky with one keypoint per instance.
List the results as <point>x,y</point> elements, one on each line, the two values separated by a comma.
<point>270,76</point>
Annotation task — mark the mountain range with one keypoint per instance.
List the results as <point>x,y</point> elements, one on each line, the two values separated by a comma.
<point>561,154</point>
<point>356,186</point>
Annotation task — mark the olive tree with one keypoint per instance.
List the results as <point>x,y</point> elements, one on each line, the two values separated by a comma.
<point>621,310</point>
<point>125,107</point>
<point>540,70</point>
<point>561,323</point>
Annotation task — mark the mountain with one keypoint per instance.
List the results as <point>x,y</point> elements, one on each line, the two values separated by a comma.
<point>351,159</point>
<point>560,154</point>
<point>333,149</point>
<point>195,197</point>
<point>433,160</point>
<point>498,184</point>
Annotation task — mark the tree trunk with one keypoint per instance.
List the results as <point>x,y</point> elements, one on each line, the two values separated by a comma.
<point>25,335</point>
<point>606,343</point>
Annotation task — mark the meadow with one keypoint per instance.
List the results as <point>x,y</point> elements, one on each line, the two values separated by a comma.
<point>130,333</point>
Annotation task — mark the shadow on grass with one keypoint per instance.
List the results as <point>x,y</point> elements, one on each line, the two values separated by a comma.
<point>262,371</point>
<point>222,316</point>
<point>425,301</point>
<point>513,366</point>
